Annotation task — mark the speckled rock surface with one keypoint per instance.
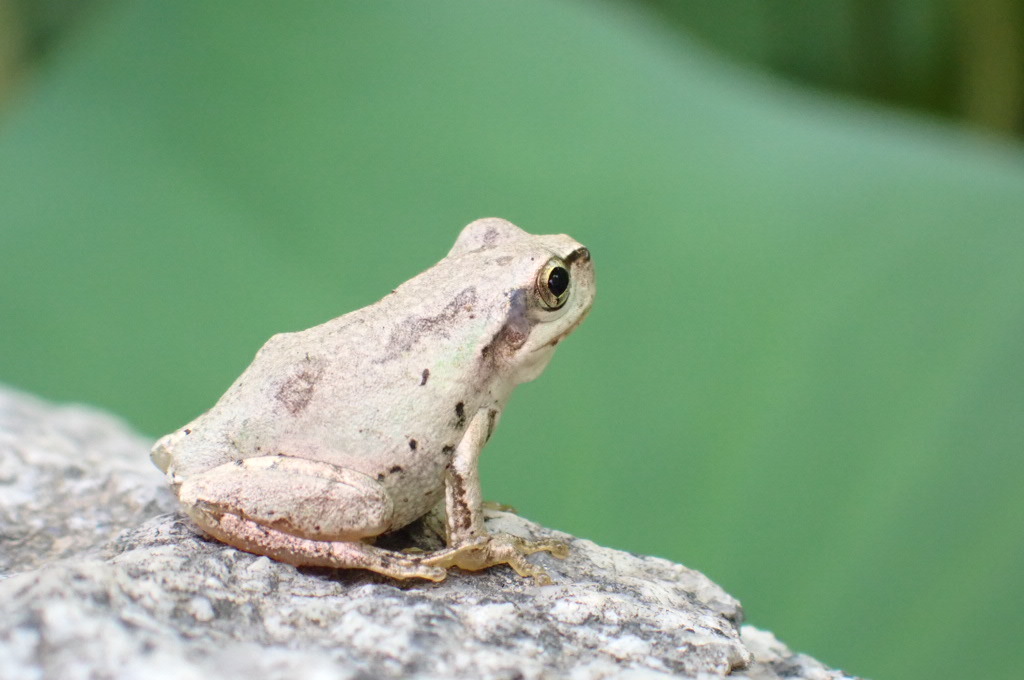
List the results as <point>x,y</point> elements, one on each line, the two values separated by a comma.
<point>100,576</point>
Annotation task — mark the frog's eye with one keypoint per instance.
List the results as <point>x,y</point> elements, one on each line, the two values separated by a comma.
<point>553,285</point>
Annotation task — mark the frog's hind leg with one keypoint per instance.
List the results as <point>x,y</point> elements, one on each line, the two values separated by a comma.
<point>262,540</point>
<point>302,512</point>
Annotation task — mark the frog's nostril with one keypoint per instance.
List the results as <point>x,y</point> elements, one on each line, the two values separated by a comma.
<point>580,253</point>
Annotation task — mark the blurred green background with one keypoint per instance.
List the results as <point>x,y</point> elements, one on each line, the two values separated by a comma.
<point>804,373</point>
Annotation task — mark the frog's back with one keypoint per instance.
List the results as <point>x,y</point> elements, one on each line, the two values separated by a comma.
<point>356,389</point>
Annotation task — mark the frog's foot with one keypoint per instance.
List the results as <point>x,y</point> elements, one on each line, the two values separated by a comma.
<point>494,549</point>
<point>263,540</point>
<point>494,505</point>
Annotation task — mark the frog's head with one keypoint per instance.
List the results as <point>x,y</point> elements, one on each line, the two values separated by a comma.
<point>543,287</point>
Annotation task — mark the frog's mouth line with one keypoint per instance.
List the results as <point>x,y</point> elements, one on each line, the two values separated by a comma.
<point>564,334</point>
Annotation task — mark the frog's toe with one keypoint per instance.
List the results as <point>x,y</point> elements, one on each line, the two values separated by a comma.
<point>494,505</point>
<point>436,574</point>
<point>559,549</point>
<point>497,549</point>
<point>512,550</point>
<point>527,569</point>
<point>401,567</point>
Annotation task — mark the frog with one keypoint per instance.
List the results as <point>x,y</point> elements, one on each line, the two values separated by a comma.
<point>348,431</point>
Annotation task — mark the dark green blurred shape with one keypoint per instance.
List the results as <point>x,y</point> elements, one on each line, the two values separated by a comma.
<point>804,372</point>
<point>962,59</point>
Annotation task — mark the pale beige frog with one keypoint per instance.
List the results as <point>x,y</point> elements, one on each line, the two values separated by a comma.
<point>359,426</point>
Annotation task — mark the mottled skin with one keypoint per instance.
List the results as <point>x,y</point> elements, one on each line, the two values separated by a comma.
<point>359,426</point>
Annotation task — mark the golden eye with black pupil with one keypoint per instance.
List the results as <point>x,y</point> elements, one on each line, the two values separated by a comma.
<point>553,285</point>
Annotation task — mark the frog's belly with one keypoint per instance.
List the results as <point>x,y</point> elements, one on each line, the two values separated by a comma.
<point>413,497</point>
<point>415,485</point>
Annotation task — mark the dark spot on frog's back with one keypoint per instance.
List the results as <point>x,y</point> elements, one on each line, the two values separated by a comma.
<point>460,415</point>
<point>410,331</point>
<point>394,469</point>
<point>426,376</point>
<point>297,389</point>
<point>412,444</point>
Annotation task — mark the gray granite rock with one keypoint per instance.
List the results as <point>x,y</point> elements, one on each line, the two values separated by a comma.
<point>100,576</point>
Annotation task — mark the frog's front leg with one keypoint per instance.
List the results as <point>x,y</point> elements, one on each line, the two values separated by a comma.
<point>302,512</point>
<point>470,545</point>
